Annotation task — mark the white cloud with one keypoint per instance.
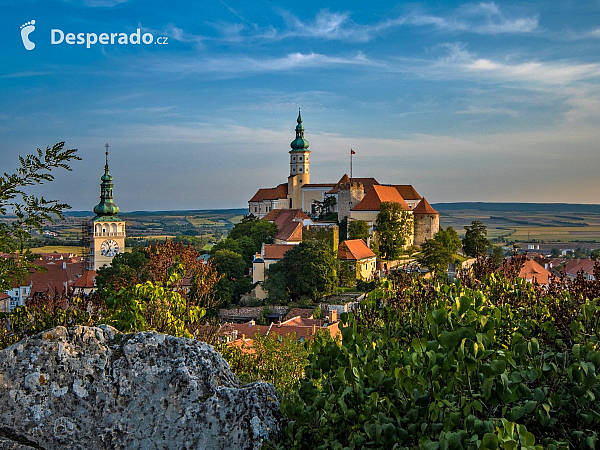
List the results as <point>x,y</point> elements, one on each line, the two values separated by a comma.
<point>246,64</point>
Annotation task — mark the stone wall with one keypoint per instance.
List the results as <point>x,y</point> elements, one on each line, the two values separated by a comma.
<point>349,195</point>
<point>426,225</point>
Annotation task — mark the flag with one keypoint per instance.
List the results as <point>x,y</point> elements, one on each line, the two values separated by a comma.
<point>352,152</point>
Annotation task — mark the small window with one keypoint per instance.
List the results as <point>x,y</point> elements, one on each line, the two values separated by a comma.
<point>300,169</point>
<point>300,158</point>
<point>255,209</point>
<point>293,158</point>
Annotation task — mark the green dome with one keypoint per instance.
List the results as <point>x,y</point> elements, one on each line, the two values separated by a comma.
<point>106,209</point>
<point>299,144</point>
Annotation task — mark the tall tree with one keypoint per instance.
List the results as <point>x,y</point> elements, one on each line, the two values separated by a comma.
<point>440,251</point>
<point>30,212</point>
<point>394,227</point>
<point>358,229</point>
<point>475,242</point>
<point>307,270</point>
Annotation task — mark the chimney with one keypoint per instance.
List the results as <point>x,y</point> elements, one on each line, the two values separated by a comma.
<point>314,329</point>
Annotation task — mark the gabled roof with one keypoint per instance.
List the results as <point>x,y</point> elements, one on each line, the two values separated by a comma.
<point>4,296</point>
<point>275,251</point>
<point>424,208</point>
<point>87,280</point>
<point>275,193</point>
<point>532,270</point>
<point>407,191</point>
<point>282,216</point>
<point>291,231</point>
<point>299,312</point>
<point>587,265</point>
<point>354,250</point>
<point>377,195</point>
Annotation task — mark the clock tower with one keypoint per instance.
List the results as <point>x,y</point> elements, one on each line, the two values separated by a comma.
<point>107,230</point>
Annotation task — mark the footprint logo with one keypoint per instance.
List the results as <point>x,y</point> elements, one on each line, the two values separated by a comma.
<point>26,30</point>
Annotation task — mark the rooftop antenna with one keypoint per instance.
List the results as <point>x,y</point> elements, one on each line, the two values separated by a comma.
<point>106,152</point>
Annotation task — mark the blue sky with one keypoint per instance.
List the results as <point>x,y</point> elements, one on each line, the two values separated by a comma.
<point>467,101</point>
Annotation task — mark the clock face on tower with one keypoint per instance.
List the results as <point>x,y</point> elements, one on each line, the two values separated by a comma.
<point>109,248</point>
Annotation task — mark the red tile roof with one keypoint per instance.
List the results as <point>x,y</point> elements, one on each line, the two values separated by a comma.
<point>275,193</point>
<point>377,195</point>
<point>354,250</point>
<point>532,270</point>
<point>407,191</point>
<point>299,312</point>
<point>424,208</point>
<point>87,280</point>
<point>291,232</point>
<point>587,265</point>
<point>4,296</point>
<point>276,251</point>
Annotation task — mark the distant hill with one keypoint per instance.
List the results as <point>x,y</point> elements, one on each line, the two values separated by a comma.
<point>519,207</point>
<point>187,212</point>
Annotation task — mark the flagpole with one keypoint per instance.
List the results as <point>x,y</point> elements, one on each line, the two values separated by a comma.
<point>351,152</point>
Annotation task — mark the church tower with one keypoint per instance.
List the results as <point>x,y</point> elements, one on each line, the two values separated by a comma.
<point>299,167</point>
<point>107,231</point>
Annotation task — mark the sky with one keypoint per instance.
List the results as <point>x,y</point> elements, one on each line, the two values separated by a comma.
<point>467,101</point>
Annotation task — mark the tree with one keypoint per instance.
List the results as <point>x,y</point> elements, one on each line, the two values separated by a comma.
<point>497,256</point>
<point>475,242</point>
<point>440,251</point>
<point>394,227</point>
<point>30,212</point>
<point>307,270</point>
<point>358,229</point>
<point>126,269</point>
<point>555,252</point>
<point>234,283</point>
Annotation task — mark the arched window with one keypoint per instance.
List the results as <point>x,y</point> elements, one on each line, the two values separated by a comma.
<point>113,228</point>
<point>98,229</point>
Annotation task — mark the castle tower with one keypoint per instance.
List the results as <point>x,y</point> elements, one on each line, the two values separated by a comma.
<point>350,193</point>
<point>426,221</point>
<point>299,166</point>
<point>107,231</point>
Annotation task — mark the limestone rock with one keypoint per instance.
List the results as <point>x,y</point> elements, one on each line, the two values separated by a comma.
<point>95,388</point>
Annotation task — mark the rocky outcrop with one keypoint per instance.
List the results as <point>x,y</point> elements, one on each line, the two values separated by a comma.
<point>95,388</point>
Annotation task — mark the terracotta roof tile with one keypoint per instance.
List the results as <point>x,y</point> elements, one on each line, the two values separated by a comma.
<point>368,183</point>
<point>377,195</point>
<point>275,193</point>
<point>299,312</point>
<point>276,251</point>
<point>291,232</point>
<point>424,208</point>
<point>532,270</point>
<point>354,250</point>
<point>87,280</point>
<point>407,191</point>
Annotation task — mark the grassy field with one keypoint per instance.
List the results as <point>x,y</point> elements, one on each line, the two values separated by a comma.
<point>63,249</point>
<point>546,223</point>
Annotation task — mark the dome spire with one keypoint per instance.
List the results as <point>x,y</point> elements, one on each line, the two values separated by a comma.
<point>106,207</point>
<point>299,144</point>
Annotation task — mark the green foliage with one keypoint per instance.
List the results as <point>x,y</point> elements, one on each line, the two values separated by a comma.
<point>446,366</point>
<point>394,227</point>
<point>317,313</point>
<point>475,242</point>
<point>276,360</point>
<point>497,256</point>
<point>153,306</point>
<point>126,269</point>
<point>258,230</point>
<point>440,251</point>
<point>358,229</point>
<point>30,212</point>
<point>307,270</point>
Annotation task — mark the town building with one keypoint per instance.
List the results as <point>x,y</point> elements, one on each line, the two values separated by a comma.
<point>359,258</point>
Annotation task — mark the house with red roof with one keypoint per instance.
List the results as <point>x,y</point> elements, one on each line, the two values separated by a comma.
<point>4,302</point>
<point>359,258</point>
<point>533,271</point>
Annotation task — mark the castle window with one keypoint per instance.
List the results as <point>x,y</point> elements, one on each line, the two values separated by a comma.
<point>255,209</point>
<point>300,169</point>
<point>300,158</point>
<point>293,158</point>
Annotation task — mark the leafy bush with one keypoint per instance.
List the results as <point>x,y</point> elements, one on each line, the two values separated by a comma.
<point>447,366</point>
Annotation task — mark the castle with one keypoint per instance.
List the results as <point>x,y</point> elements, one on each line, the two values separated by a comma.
<point>355,198</point>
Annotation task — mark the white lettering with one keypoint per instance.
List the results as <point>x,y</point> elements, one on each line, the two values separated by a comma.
<point>135,35</point>
<point>80,38</point>
<point>53,38</point>
<point>150,38</point>
<point>112,37</point>
<point>103,39</point>
<point>122,38</point>
<point>70,39</point>
<point>91,38</point>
